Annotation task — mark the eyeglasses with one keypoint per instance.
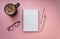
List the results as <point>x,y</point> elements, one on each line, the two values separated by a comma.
<point>16,24</point>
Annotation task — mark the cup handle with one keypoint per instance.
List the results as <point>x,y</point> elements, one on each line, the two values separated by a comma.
<point>17,5</point>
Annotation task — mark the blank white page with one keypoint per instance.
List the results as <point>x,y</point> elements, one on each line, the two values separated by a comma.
<point>30,20</point>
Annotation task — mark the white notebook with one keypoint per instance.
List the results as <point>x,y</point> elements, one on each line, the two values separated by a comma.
<point>30,20</point>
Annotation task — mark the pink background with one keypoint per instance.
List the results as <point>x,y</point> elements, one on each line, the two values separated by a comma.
<point>51,29</point>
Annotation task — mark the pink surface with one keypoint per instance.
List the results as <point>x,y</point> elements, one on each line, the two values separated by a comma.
<point>51,29</point>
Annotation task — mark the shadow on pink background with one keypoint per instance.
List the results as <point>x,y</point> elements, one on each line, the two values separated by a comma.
<point>51,29</point>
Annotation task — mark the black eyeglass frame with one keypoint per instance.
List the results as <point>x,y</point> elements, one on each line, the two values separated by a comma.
<point>13,25</point>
